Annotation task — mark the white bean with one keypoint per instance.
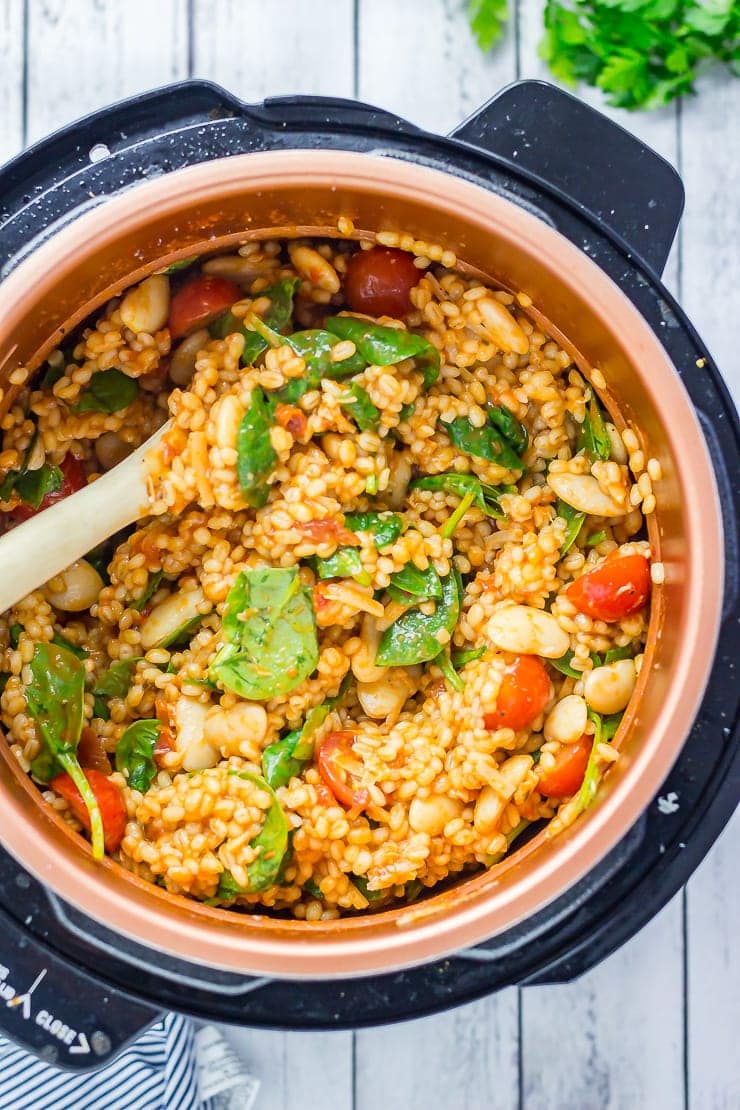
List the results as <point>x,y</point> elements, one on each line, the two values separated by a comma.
<point>175,611</point>
<point>110,449</point>
<point>228,729</point>
<point>527,631</point>
<point>492,801</point>
<point>430,815</point>
<point>234,268</point>
<point>566,721</point>
<point>226,416</point>
<point>145,308</point>
<point>584,493</point>
<point>182,364</point>
<point>618,451</point>
<point>81,585</point>
<point>607,689</point>
<point>398,482</point>
<point>386,697</point>
<point>314,267</point>
<point>501,326</point>
<point>190,738</point>
<point>363,661</point>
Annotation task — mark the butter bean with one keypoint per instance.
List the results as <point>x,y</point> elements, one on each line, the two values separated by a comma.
<point>527,631</point>
<point>607,689</point>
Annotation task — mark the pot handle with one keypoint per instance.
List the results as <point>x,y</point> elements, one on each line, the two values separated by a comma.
<point>60,1013</point>
<point>603,171</point>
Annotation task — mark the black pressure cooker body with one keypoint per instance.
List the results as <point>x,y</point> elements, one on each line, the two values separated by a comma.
<point>76,993</point>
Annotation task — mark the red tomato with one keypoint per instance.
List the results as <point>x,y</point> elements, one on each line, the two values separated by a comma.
<point>334,751</point>
<point>615,589</point>
<point>524,692</point>
<point>378,282</point>
<point>110,801</point>
<point>73,478</point>
<point>566,776</point>
<point>199,302</point>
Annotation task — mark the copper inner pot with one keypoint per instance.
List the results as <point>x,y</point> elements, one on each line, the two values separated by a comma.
<point>223,203</point>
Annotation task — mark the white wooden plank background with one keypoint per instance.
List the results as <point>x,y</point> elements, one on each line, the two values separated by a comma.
<point>653,1027</point>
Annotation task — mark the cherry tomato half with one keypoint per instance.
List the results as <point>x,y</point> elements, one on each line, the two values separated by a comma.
<point>334,754</point>
<point>615,589</point>
<point>378,282</point>
<point>110,802</point>
<point>73,478</point>
<point>523,694</point>
<point>566,776</point>
<point>199,302</point>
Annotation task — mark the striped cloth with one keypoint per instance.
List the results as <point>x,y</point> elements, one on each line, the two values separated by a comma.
<point>157,1072</point>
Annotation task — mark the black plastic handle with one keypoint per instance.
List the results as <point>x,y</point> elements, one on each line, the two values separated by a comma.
<point>570,148</point>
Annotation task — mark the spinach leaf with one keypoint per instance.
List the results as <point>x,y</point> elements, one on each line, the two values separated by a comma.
<point>107,391</point>
<point>511,429</point>
<point>407,412</point>
<point>115,682</point>
<point>593,437</point>
<point>384,527</point>
<point>364,413</point>
<point>272,844</point>
<point>360,881</point>
<point>482,443</point>
<point>281,295</point>
<point>563,665</point>
<point>444,663</point>
<point>413,637</point>
<point>270,632</point>
<point>286,758</point>
<point>313,889</point>
<point>609,726</point>
<point>422,585</point>
<point>469,655</point>
<point>381,346</point>
<point>595,539</point>
<point>181,264</point>
<point>151,588</point>
<point>344,563</point>
<point>613,655</point>
<point>574,518</point>
<point>14,635</point>
<point>180,636</point>
<point>256,457</point>
<point>487,498</point>
<point>32,486</point>
<point>56,699</point>
<point>63,642</point>
<point>315,347</point>
<point>135,754</point>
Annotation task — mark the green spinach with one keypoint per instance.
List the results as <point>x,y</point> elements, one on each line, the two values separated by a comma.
<point>271,843</point>
<point>381,346</point>
<point>444,663</point>
<point>270,633</point>
<point>364,413</point>
<point>574,519</point>
<point>593,438</point>
<point>149,591</point>
<point>107,391</point>
<point>63,642</point>
<point>511,429</point>
<point>286,758</point>
<point>56,699</point>
<point>469,655</point>
<point>410,586</point>
<point>344,563</point>
<point>135,754</point>
<point>385,528</point>
<point>413,637</point>
<point>256,457</point>
<point>482,443</point>
<point>485,497</point>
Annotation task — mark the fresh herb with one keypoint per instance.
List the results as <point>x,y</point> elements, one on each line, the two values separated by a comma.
<point>482,443</point>
<point>574,519</point>
<point>115,682</point>
<point>613,655</point>
<point>407,412</point>
<point>32,486</point>
<point>256,457</point>
<point>444,663</point>
<point>381,346</point>
<point>485,497</point>
<point>361,883</point>
<point>593,437</point>
<point>270,632</point>
<point>641,53</point>
<point>486,18</point>
<point>511,429</point>
<point>595,539</point>
<point>385,528</point>
<point>135,754</point>
<point>313,889</point>
<point>271,843</point>
<point>14,635</point>
<point>281,296</point>
<point>469,655</point>
<point>413,638</point>
<point>151,588</point>
<point>364,413</point>
<point>344,563</point>
<point>563,665</point>
<point>56,700</point>
<point>108,391</point>
<point>286,758</point>
<point>181,264</point>
<point>411,586</point>
<point>63,642</point>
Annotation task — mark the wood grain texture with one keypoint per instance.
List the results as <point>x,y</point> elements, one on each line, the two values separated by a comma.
<point>12,47</point>
<point>258,49</point>
<point>84,54</point>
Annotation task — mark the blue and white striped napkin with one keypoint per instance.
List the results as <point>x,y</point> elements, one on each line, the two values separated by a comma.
<point>159,1071</point>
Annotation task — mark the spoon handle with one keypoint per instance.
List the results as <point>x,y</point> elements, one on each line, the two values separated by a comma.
<point>33,552</point>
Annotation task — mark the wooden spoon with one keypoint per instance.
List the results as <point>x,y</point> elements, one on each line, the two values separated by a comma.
<point>33,552</point>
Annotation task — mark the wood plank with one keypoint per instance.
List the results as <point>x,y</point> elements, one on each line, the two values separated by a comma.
<point>612,1040</point>
<point>12,43</point>
<point>465,1058</point>
<point>713,1010</point>
<point>257,49</point>
<point>421,61</point>
<point>83,55</point>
